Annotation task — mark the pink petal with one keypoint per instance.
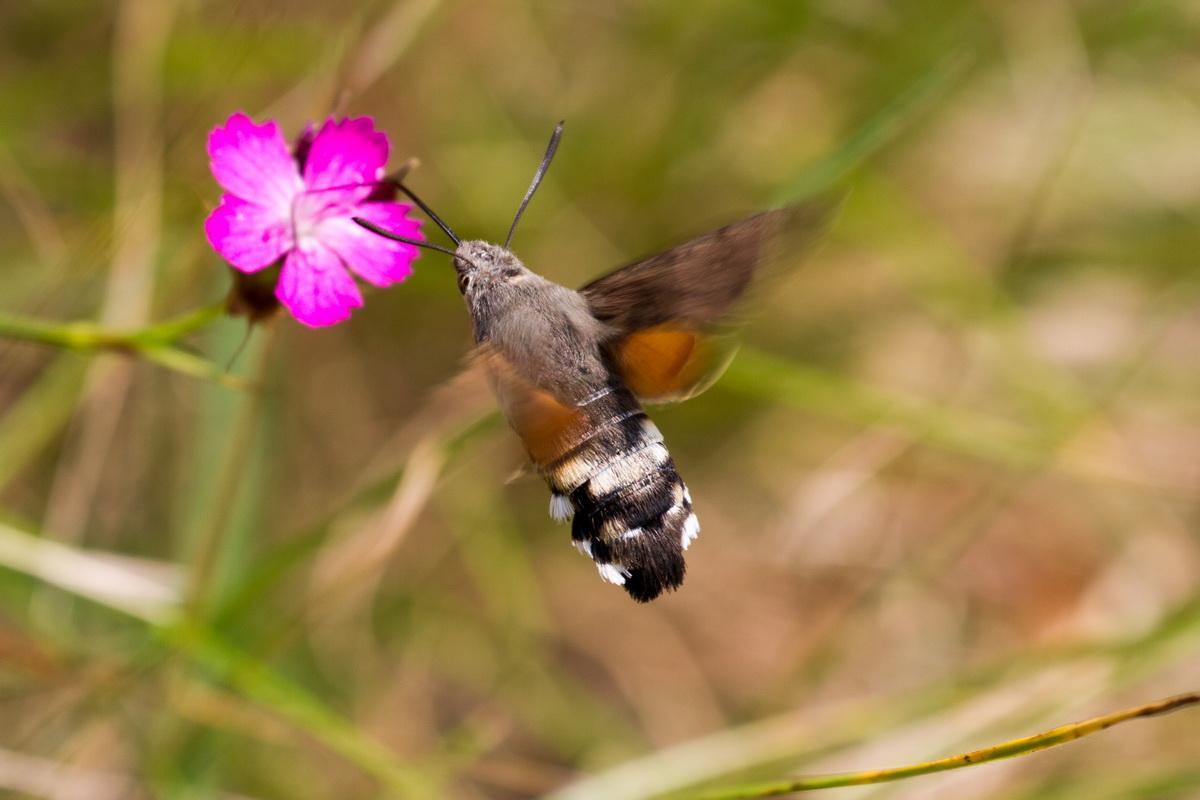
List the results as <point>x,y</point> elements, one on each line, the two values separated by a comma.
<point>254,163</point>
<point>248,236</point>
<point>316,288</point>
<point>372,257</point>
<point>350,153</point>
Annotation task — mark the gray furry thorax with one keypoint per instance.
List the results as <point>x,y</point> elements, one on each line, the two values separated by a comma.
<point>546,330</point>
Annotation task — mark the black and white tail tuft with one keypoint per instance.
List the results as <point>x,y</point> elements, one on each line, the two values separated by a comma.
<point>629,509</point>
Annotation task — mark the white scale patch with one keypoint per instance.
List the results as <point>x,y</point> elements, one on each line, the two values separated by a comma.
<point>691,529</point>
<point>572,472</point>
<point>632,533</point>
<point>627,470</point>
<point>651,430</point>
<point>561,509</point>
<point>613,573</point>
<point>584,546</point>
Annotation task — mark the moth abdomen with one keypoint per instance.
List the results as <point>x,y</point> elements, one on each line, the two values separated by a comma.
<point>632,513</point>
<point>637,533</point>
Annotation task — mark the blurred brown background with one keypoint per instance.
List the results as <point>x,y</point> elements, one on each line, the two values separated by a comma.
<point>949,487</point>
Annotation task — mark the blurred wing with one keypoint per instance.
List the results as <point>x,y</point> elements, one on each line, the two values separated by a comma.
<point>669,362</point>
<point>699,281</point>
<point>547,425</point>
<point>664,309</point>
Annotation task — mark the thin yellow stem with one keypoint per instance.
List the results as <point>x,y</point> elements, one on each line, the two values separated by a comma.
<point>1009,749</point>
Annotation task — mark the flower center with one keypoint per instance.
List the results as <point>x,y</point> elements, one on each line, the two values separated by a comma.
<point>309,210</point>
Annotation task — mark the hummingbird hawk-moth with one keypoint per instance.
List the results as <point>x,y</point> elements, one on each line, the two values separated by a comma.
<point>571,370</point>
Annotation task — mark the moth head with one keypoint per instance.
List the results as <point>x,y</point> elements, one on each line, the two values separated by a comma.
<point>484,267</point>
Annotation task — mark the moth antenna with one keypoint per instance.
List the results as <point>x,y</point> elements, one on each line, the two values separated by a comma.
<point>537,180</point>
<point>373,228</point>
<point>392,179</point>
<point>428,211</point>
<point>385,233</point>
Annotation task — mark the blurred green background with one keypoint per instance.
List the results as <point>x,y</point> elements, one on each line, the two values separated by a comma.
<point>950,488</point>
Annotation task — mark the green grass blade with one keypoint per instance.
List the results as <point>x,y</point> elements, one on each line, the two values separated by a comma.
<point>989,439</point>
<point>256,681</point>
<point>873,135</point>
<point>38,416</point>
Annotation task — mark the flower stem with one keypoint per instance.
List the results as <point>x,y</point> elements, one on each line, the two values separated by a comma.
<point>239,445</point>
<point>154,342</point>
<point>83,335</point>
<point>1009,749</point>
<point>172,329</point>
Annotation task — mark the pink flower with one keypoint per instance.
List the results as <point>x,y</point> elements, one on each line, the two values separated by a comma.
<point>298,208</point>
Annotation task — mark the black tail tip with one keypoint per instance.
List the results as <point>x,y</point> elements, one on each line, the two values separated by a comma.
<point>644,585</point>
